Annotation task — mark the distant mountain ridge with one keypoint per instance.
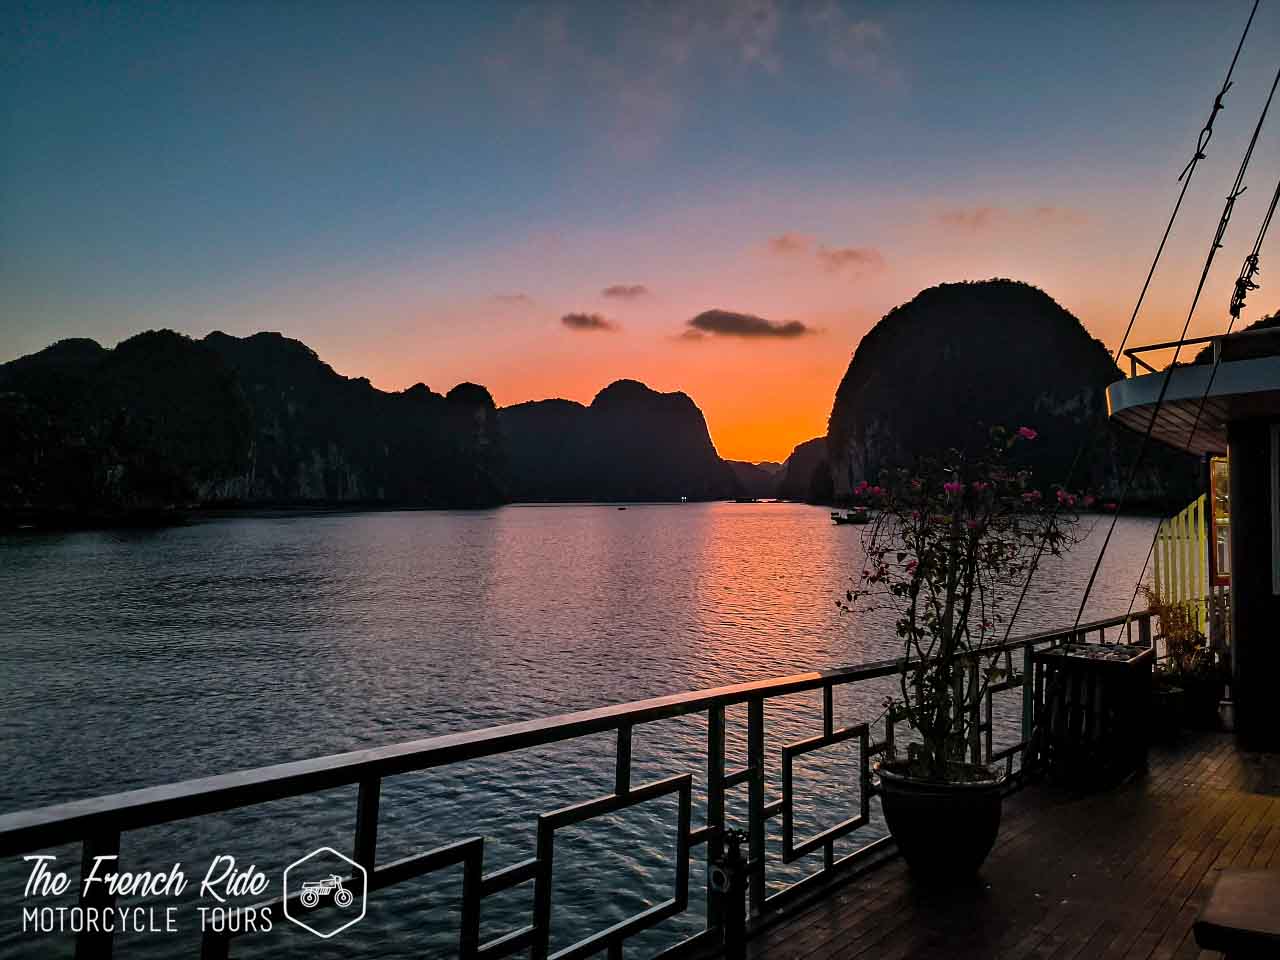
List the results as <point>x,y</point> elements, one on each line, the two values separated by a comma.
<point>163,422</point>
<point>321,437</point>
<point>806,473</point>
<point>756,479</point>
<point>629,443</point>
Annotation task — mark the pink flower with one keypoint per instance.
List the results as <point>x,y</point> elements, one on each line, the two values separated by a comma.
<point>911,566</point>
<point>972,524</point>
<point>1090,500</point>
<point>1027,433</point>
<point>980,485</point>
<point>953,487</point>
<point>1031,496</point>
<point>1066,499</point>
<point>1108,506</point>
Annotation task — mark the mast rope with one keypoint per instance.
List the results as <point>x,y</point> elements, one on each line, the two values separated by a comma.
<point>1237,189</point>
<point>1202,142</point>
<point>1245,283</point>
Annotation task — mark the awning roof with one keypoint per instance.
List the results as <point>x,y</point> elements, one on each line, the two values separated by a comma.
<point>1245,387</point>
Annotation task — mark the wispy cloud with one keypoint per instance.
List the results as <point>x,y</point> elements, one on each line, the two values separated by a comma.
<point>587,322</point>
<point>625,291</point>
<point>1058,215</point>
<point>785,243</point>
<point>835,259</point>
<point>856,45</point>
<point>972,219</point>
<point>631,78</point>
<point>728,323</point>
<point>831,259</point>
<point>514,299</point>
<point>989,217</point>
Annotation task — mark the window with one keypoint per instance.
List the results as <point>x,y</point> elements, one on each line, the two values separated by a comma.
<point>1220,520</point>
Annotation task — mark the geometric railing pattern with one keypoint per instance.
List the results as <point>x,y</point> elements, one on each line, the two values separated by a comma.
<point>98,824</point>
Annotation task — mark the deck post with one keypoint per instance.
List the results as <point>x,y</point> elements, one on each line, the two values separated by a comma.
<point>715,807</point>
<point>1028,706</point>
<point>622,768</point>
<point>975,715</point>
<point>828,727</point>
<point>366,840</point>
<point>215,946</point>
<point>755,802</point>
<point>96,945</point>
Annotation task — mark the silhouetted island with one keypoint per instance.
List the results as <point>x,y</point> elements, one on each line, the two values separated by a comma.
<point>163,422</point>
<point>806,473</point>
<point>630,443</point>
<point>756,479</point>
<point>937,371</point>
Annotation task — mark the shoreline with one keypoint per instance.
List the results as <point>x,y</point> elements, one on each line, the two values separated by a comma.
<point>45,522</point>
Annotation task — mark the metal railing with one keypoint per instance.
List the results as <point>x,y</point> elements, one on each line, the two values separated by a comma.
<point>1135,361</point>
<point>97,824</point>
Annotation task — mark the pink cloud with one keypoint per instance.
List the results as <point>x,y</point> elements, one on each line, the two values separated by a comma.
<point>785,243</point>
<point>625,291</point>
<point>986,217</point>
<point>835,259</point>
<point>832,259</point>
<point>587,322</point>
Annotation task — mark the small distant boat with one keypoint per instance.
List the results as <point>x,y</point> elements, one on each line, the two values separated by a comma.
<point>856,515</point>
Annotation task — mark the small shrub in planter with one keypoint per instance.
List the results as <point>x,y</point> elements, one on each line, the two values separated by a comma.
<point>953,540</point>
<point>1188,665</point>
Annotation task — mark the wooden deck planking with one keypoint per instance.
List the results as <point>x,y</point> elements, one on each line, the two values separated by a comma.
<point>1116,874</point>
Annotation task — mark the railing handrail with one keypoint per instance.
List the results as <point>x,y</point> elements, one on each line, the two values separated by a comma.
<point>1216,339</point>
<point>1132,352</point>
<point>38,828</point>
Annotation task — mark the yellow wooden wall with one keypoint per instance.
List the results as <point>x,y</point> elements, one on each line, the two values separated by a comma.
<point>1181,555</point>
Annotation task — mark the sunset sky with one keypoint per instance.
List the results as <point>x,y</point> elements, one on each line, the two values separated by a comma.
<point>425,192</point>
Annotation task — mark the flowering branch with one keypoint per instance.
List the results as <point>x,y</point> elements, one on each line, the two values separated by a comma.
<point>950,539</point>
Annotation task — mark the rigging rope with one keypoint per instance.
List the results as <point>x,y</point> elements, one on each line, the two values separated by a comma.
<point>1202,142</point>
<point>1245,282</point>
<point>1237,189</point>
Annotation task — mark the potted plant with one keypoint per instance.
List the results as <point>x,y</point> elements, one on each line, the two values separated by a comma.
<point>1188,672</point>
<point>951,544</point>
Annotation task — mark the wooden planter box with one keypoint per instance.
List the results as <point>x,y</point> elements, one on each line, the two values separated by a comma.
<point>1091,712</point>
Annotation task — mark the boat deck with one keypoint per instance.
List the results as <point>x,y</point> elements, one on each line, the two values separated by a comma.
<point>1119,873</point>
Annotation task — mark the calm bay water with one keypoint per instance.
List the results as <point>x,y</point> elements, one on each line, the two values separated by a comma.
<point>137,658</point>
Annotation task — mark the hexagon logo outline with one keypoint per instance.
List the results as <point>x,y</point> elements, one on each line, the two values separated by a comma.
<point>310,892</point>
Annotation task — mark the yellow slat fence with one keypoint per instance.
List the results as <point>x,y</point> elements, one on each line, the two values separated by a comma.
<point>1181,555</point>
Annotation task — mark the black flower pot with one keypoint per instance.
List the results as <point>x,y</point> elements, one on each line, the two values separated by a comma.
<point>1168,709</point>
<point>943,829</point>
<point>1204,693</point>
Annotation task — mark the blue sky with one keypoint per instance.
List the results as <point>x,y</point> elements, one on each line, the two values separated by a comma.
<point>421,191</point>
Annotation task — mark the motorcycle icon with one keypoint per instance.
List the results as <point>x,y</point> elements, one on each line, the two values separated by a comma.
<point>313,890</point>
